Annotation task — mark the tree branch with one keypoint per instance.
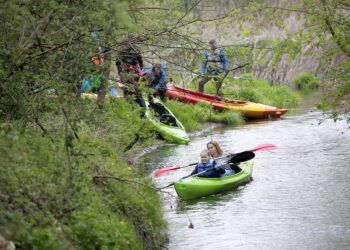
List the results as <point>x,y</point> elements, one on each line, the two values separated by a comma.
<point>128,180</point>
<point>70,125</point>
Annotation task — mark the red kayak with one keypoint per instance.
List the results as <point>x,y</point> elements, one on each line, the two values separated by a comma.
<point>248,109</point>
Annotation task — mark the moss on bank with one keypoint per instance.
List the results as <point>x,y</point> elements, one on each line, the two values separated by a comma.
<point>50,196</point>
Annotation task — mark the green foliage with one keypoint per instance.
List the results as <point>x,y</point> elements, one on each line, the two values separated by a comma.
<point>259,91</point>
<point>118,123</point>
<point>191,116</point>
<point>329,22</point>
<point>49,198</point>
<point>325,28</point>
<point>306,81</point>
<point>336,99</point>
<point>288,47</point>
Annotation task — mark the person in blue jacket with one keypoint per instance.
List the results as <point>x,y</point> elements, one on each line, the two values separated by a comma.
<point>157,79</point>
<point>205,164</point>
<point>213,63</point>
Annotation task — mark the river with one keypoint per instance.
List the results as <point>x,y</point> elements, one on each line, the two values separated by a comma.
<point>299,197</point>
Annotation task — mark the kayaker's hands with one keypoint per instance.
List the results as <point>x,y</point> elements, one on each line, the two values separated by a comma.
<point>217,168</point>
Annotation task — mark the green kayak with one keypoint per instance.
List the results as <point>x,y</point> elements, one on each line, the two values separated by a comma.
<point>165,123</point>
<point>195,187</point>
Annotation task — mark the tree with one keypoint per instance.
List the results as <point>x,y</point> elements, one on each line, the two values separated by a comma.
<point>326,25</point>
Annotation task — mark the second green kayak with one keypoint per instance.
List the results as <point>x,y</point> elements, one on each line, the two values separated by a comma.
<point>195,187</point>
<point>166,123</point>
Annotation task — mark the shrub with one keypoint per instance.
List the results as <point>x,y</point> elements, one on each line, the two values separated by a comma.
<point>306,81</point>
<point>49,198</point>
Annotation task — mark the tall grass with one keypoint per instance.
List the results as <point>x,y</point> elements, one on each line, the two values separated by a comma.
<point>306,81</point>
<point>192,116</point>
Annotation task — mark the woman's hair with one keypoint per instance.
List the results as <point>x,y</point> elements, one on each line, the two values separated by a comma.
<point>216,145</point>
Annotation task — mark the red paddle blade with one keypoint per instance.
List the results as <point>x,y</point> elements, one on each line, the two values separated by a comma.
<point>264,147</point>
<point>162,171</point>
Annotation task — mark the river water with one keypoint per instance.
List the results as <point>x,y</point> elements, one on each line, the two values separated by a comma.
<point>299,197</point>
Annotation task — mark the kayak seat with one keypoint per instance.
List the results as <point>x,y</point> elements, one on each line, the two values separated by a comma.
<point>168,119</point>
<point>227,173</point>
<point>158,108</point>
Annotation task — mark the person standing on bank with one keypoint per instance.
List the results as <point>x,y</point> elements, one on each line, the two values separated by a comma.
<point>157,80</point>
<point>213,64</point>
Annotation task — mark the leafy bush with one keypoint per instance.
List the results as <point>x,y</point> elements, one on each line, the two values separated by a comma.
<point>49,196</point>
<point>306,81</point>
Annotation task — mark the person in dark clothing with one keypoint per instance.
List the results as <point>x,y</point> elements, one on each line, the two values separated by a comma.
<point>129,55</point>
<point>157,80</point>
<point>129,64</point>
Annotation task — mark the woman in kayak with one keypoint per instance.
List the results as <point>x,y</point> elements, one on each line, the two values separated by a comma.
<point>209,165</point>
<point>216,152</point>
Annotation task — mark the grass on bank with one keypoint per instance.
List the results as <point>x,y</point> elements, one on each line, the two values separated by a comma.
<point>192,116</point>
<point>306,81</point>
<point>49,196</point>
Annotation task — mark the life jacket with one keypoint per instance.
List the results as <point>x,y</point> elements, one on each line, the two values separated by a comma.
<point>205,166</point>
<point>157,80</point>
<point>214,61</point>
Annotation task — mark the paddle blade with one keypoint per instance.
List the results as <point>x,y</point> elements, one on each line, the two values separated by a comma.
<point>162,171</point>
<point>243,156</point>
<point>264,147</point>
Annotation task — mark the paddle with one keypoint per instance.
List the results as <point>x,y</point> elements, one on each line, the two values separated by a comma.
<point>237,158</point>
<point>264,147</point>
<point>243,156</point>
<point>235,77</point>
<point>162,171</point>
